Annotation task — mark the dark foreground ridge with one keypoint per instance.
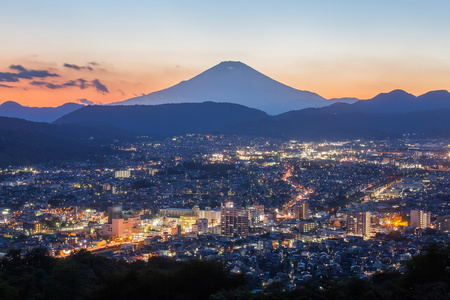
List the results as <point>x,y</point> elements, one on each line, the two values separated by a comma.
<point>86,276</point>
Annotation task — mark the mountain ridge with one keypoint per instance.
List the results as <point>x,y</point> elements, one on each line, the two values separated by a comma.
<point>233,82</point>
<point>396,101</point>
<point>311,123</point>
<point>164,119</point>
<point>25,142</point>
<point>13,109</point>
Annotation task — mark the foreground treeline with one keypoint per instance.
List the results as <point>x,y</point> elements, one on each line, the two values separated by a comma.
<point>86,276</point>
<point>427,277</point>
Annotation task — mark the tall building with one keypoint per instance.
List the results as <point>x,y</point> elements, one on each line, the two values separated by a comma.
<point>119,224</point>
<point>234,221</point>
<point>358,223</point>
<point>200,226</point>
<point>443,224</point>
<point>420,219</point>
<point>301,210</point>
<point>114,213</point>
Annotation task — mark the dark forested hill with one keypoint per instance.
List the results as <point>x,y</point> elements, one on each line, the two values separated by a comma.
<point>165,119</point>
<point>316,125</point>
<point>307,124</point>
<point>25,143</point>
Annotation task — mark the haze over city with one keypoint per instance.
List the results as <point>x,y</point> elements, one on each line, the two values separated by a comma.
<point>107,51</point>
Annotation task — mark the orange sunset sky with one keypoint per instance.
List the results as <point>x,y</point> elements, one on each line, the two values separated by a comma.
<point>97,52</point>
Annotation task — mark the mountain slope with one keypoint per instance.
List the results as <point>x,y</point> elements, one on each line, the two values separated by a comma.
<point>165,119</point>
<point>348,125</point>
<point>36,114</point>
<point>308,124</point>
<point>234,82</point>
<point>23,142</point>
<point>397,101</point>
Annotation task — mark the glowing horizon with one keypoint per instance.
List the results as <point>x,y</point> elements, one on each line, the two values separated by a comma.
<point>106,52</point>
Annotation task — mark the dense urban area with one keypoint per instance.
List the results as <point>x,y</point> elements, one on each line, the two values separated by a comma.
<point>274,212</point>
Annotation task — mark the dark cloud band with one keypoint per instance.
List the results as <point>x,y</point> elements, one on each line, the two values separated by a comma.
<point>76,67</point>
<point>24,74</point>
<point>81,83</point>
<point>6,86</point>
<point>85,101</point>
<point>101,88</point>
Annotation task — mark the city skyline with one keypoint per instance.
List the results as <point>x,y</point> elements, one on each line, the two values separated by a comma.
<point>103,52</point>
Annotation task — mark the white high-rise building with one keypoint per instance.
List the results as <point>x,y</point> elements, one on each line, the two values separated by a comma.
<point>420,219</point>
<point>122,174</point>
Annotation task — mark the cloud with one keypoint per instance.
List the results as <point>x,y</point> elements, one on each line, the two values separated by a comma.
<point>75,67</point>
<point>93,63</point>
<point>8,77</point>
<point>81,83</point>
<point>24,74</point>
<point>85,101</point>
<point>47,85</point>
<point>53,86</point>
<point>6,86</point>
<point>38,83</point>
<point>99,86</point>
<point>17,68</point>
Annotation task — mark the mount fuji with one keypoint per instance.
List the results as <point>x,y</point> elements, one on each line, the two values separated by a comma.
<point>235,82</point>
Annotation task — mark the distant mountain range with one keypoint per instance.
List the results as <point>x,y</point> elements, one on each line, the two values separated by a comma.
<point>391,114</point>
<point>235,82</point>
<point>36,114</point>
<point>397,101</point>
<point>333,122</point>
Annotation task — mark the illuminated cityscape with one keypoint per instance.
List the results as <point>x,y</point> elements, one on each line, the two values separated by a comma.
<point>273,210</point>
